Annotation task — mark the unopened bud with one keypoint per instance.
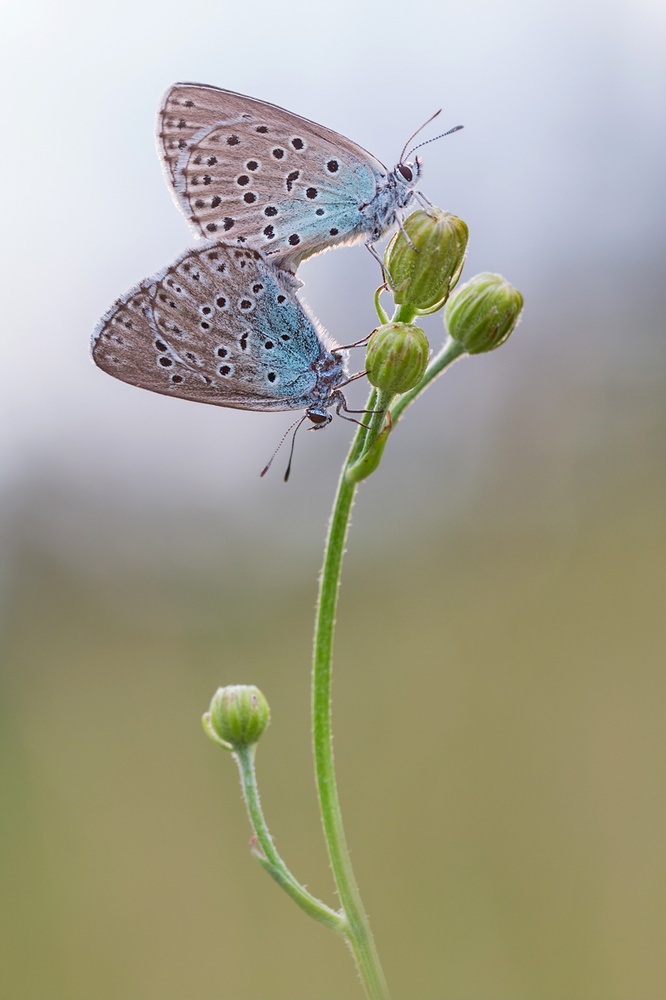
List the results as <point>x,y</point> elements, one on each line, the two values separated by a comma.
<point>396,357</point>
<point>483,312</point>
<point>424,259</point>
<point>238,715</point>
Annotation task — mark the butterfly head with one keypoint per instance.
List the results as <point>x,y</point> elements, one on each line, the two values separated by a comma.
<point>406,176</point>
<point>409,173</point>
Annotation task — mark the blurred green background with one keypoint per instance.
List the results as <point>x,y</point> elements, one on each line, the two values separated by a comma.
<point>499,677</point>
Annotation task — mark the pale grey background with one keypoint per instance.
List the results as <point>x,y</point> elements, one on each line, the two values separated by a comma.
<point>559,174</point>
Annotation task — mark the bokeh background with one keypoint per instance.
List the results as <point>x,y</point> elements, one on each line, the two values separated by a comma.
<point>499,683</point>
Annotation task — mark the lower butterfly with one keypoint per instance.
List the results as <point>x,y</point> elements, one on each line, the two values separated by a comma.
<point>247,171</point>
<point>220,325</point>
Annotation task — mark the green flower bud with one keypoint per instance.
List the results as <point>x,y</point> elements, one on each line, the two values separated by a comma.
<point>396,357</point>
<point>483,312</point>
<point>238,715</point>
<point>424,273</point>
<point>368,462</point>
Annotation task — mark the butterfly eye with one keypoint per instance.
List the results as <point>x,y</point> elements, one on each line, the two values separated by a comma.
<point>318,417</point>
<point>406,172</point>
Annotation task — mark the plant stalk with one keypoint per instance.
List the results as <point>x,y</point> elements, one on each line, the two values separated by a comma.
<point>358,934</point>
<point>268,856</point>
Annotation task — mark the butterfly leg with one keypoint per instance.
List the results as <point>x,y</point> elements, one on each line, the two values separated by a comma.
<point>370,245</point>
<point>358,343</point>
<point>352,378</point>
<point>426,203</point>
<point>404,232</point>
<point>386,274</point>
<point>341,404</point>
<point>419,195</point>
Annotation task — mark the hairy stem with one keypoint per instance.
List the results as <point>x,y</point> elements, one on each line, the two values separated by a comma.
<point>269,858</point>
<point>358,932</point>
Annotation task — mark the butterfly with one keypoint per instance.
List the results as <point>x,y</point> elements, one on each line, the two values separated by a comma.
<point>245,170</point>
<point>221,325</point>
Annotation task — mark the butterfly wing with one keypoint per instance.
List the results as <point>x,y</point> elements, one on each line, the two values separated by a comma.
<point>246,170</point>
<point>219,326</point>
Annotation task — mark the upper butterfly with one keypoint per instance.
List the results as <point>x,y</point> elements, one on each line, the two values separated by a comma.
<point>248,171</point>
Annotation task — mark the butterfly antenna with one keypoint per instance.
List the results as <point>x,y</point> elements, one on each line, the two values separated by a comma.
<point>456,128</point>
<point>291,450</point>
<point>282,439</point>
<point>419,129</point>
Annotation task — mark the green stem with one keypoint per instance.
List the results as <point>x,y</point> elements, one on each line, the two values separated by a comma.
<point>358,931</point>
<point>362,435</point>
<point>449,353</point>
<point>270,860</point>
<point>403,314</point>
<point>382,401</point>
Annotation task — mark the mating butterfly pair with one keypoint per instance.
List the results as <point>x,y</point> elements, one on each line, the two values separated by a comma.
<point>222,324</point>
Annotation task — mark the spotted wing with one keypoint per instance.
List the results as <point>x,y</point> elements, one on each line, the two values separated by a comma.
<point>248,171</point>
<point>218,326</point>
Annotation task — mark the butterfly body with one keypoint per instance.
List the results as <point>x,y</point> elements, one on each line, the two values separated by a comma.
<point>221,325</point>
<point>249,172</point>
